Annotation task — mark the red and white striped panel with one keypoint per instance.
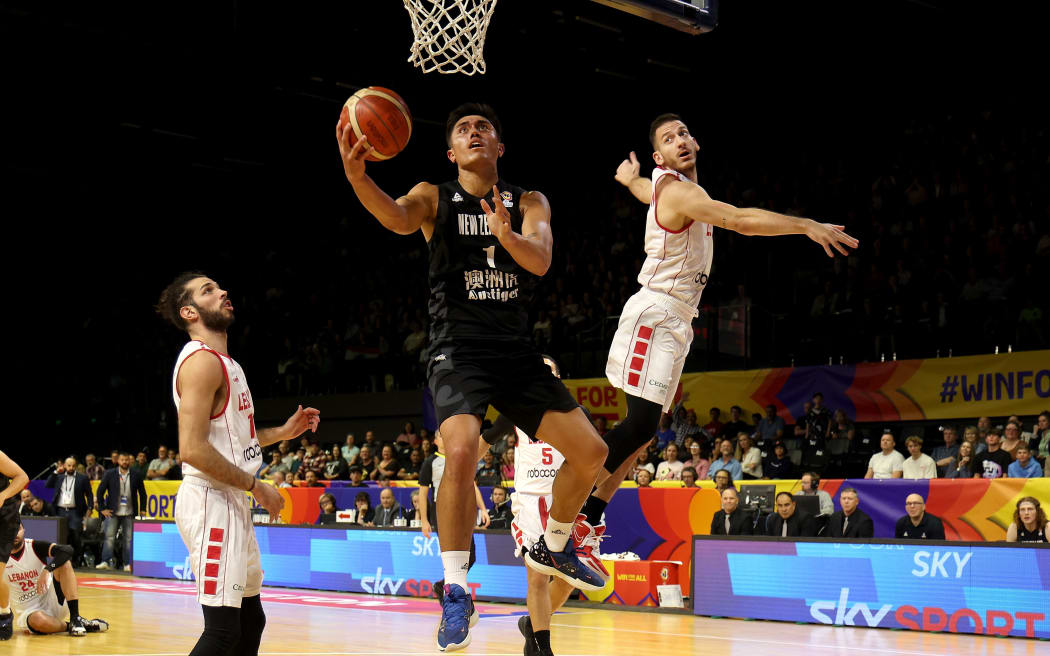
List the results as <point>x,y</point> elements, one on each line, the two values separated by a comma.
<point>640,353</point>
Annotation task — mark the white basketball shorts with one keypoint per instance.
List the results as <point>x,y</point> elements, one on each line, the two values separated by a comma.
<point>47,603</point>
<point>650,346</point>
<point>216,526</point>
<point>530,519</point>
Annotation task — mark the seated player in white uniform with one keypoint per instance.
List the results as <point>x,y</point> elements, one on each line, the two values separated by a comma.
<point>43,589</point>
<point>535,466</point>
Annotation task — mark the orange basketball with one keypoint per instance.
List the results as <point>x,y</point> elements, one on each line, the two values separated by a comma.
<point>382,116</point>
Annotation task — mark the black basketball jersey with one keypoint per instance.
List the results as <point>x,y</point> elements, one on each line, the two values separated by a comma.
<point>477,290</point>
<point>13,501</point>
<point>1038,535</point>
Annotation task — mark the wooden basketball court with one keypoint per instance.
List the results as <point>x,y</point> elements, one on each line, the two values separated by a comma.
<point>149,617</point>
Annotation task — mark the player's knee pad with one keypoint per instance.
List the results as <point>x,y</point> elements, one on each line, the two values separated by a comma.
<point>643,418</point>
<point>222,631</point>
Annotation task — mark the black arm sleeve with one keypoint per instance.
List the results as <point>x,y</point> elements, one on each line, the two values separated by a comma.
<point>502,426</point>
<point>62,553</point>
<point>41,549</point>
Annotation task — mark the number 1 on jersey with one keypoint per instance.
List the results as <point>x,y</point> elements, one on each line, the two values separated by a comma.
<point>490,255</point>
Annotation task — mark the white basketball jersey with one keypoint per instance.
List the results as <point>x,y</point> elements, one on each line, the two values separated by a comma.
<point>232,431</point>
<point>535,465</point>
<point>676,263</point>
<point>21,576</point>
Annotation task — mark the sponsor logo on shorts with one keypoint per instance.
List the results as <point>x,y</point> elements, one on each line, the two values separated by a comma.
<point>541,473</point>
<point>238,587</point>
<point>656,383</point>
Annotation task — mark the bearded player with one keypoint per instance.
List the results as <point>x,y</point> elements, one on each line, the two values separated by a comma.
<point>652,340</point>
<point>41,579</point>
<point>221,452</point>
<point>489,243</point>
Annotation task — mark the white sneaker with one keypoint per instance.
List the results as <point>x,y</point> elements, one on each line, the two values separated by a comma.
<point>127,568</point>
<point>103,565</point>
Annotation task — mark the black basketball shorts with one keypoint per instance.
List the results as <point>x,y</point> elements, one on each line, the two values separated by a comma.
<point>467,378</point>
<point>9,523</point>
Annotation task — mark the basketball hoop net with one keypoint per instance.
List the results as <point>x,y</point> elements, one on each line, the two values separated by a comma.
<point>449,34</point>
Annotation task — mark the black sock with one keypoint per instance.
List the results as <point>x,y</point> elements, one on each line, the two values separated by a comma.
<point>593,508</point>
<point>74,608</point>
<point>543,639</point>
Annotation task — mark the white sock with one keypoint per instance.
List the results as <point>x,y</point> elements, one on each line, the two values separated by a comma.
<point>456,563</point>
<point>557,534</point>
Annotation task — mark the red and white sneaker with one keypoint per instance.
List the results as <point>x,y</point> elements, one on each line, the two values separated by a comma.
<point>587,540</point>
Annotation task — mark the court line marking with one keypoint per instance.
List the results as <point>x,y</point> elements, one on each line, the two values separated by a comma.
<point>326,653</point>
<point>883,650</point>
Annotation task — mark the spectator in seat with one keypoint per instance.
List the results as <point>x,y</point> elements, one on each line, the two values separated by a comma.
<point>279,480</point>
<point>962,465</point>
<point>851,521</point>
<point>92,469</point>
<point>810,484</point>
<point>723,479</point>
<point>698,461</point>
<point>819,421</point>
<point>801,429</point>
<point>1025,466</point>
<point>771,427</point>
<point>918,524</point>
<point>736,424</point>
<point>918,465</point>
<point>488,473</point>
<point>888,463</point>
<point>788,520</point>
<point>1040,442</point>
<point>336,468</point>
<point>994,462</point>
<point>275,465</point>
<point>750,457</point>
<point>1011,439</point>
<point>408,435</point>
<point>24,497</point>
<point>507,465</point>
<point>37,507</point>
<point>689,477</point>
<point>501,515</point>
<point>841,427</point>
<point>121,495</point>
<point>388,466</point>
<point>365,512</point>
<point>326,502</point>
<point>349,450</point>
<point>671,467</point>
<point>779,465</point>
<point>141,464</point>
<point>367,462</point>
<point>683,422</point>
<point>410,470</point>
<point>311,479</point>
<point>314,461</point>
<point>713,427</point>
<point>389,509</point>
<point>945,454</point>
<point>644,478</point>
<point>664,434</point>
<point>114,456</point>
<point>160,467</point>
<point>357,476</point>
<point>971,435</point>
<point>726,461</point>
<point>642,462</point>
<point>1030,524</point>
<point>731,519</point>
<point>413,512</point>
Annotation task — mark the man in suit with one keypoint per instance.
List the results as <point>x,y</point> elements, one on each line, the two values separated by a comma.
<point>851,521</point>
<point>121,494</point>
<point>788,521</point>
<point>72,500</point>
<point>731,520</point>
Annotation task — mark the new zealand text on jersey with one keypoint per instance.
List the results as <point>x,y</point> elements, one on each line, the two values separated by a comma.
<point>490,285</point>
<point>473,224</point>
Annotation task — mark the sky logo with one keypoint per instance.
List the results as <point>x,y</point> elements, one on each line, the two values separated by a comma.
<point>844,613</point>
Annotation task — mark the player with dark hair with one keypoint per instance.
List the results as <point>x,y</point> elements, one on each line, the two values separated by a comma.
<point>12,482</point>
<point>489,243</point>
<point>221,452</point>
<point>43,608</point>
<point>655,330</point>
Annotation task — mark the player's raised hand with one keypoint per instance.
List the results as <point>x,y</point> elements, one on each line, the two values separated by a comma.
<point>268,497</point>
<point>628,170</point>
<point>353,156</point>
<point>831,236</point>
<point>497,215</point>
<point>304,419</point>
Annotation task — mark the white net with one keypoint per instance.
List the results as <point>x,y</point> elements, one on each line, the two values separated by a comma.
<point>449,34</point>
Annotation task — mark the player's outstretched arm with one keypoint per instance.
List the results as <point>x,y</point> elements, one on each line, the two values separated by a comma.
<point>628,174</point>
<point>19,479</point>
<point>403,216</point>
<point>692,202</point>
<point>302,420</point>
<point>531,249</point>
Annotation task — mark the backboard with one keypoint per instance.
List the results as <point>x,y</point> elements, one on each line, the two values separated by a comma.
<point>690,16</point>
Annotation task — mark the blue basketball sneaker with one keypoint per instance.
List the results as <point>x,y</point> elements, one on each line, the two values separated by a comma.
<point>458,615</point>
<point>566,565</point>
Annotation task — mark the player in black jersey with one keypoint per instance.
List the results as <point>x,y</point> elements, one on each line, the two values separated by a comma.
<point>489,243</point>
<point>12,480</point>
